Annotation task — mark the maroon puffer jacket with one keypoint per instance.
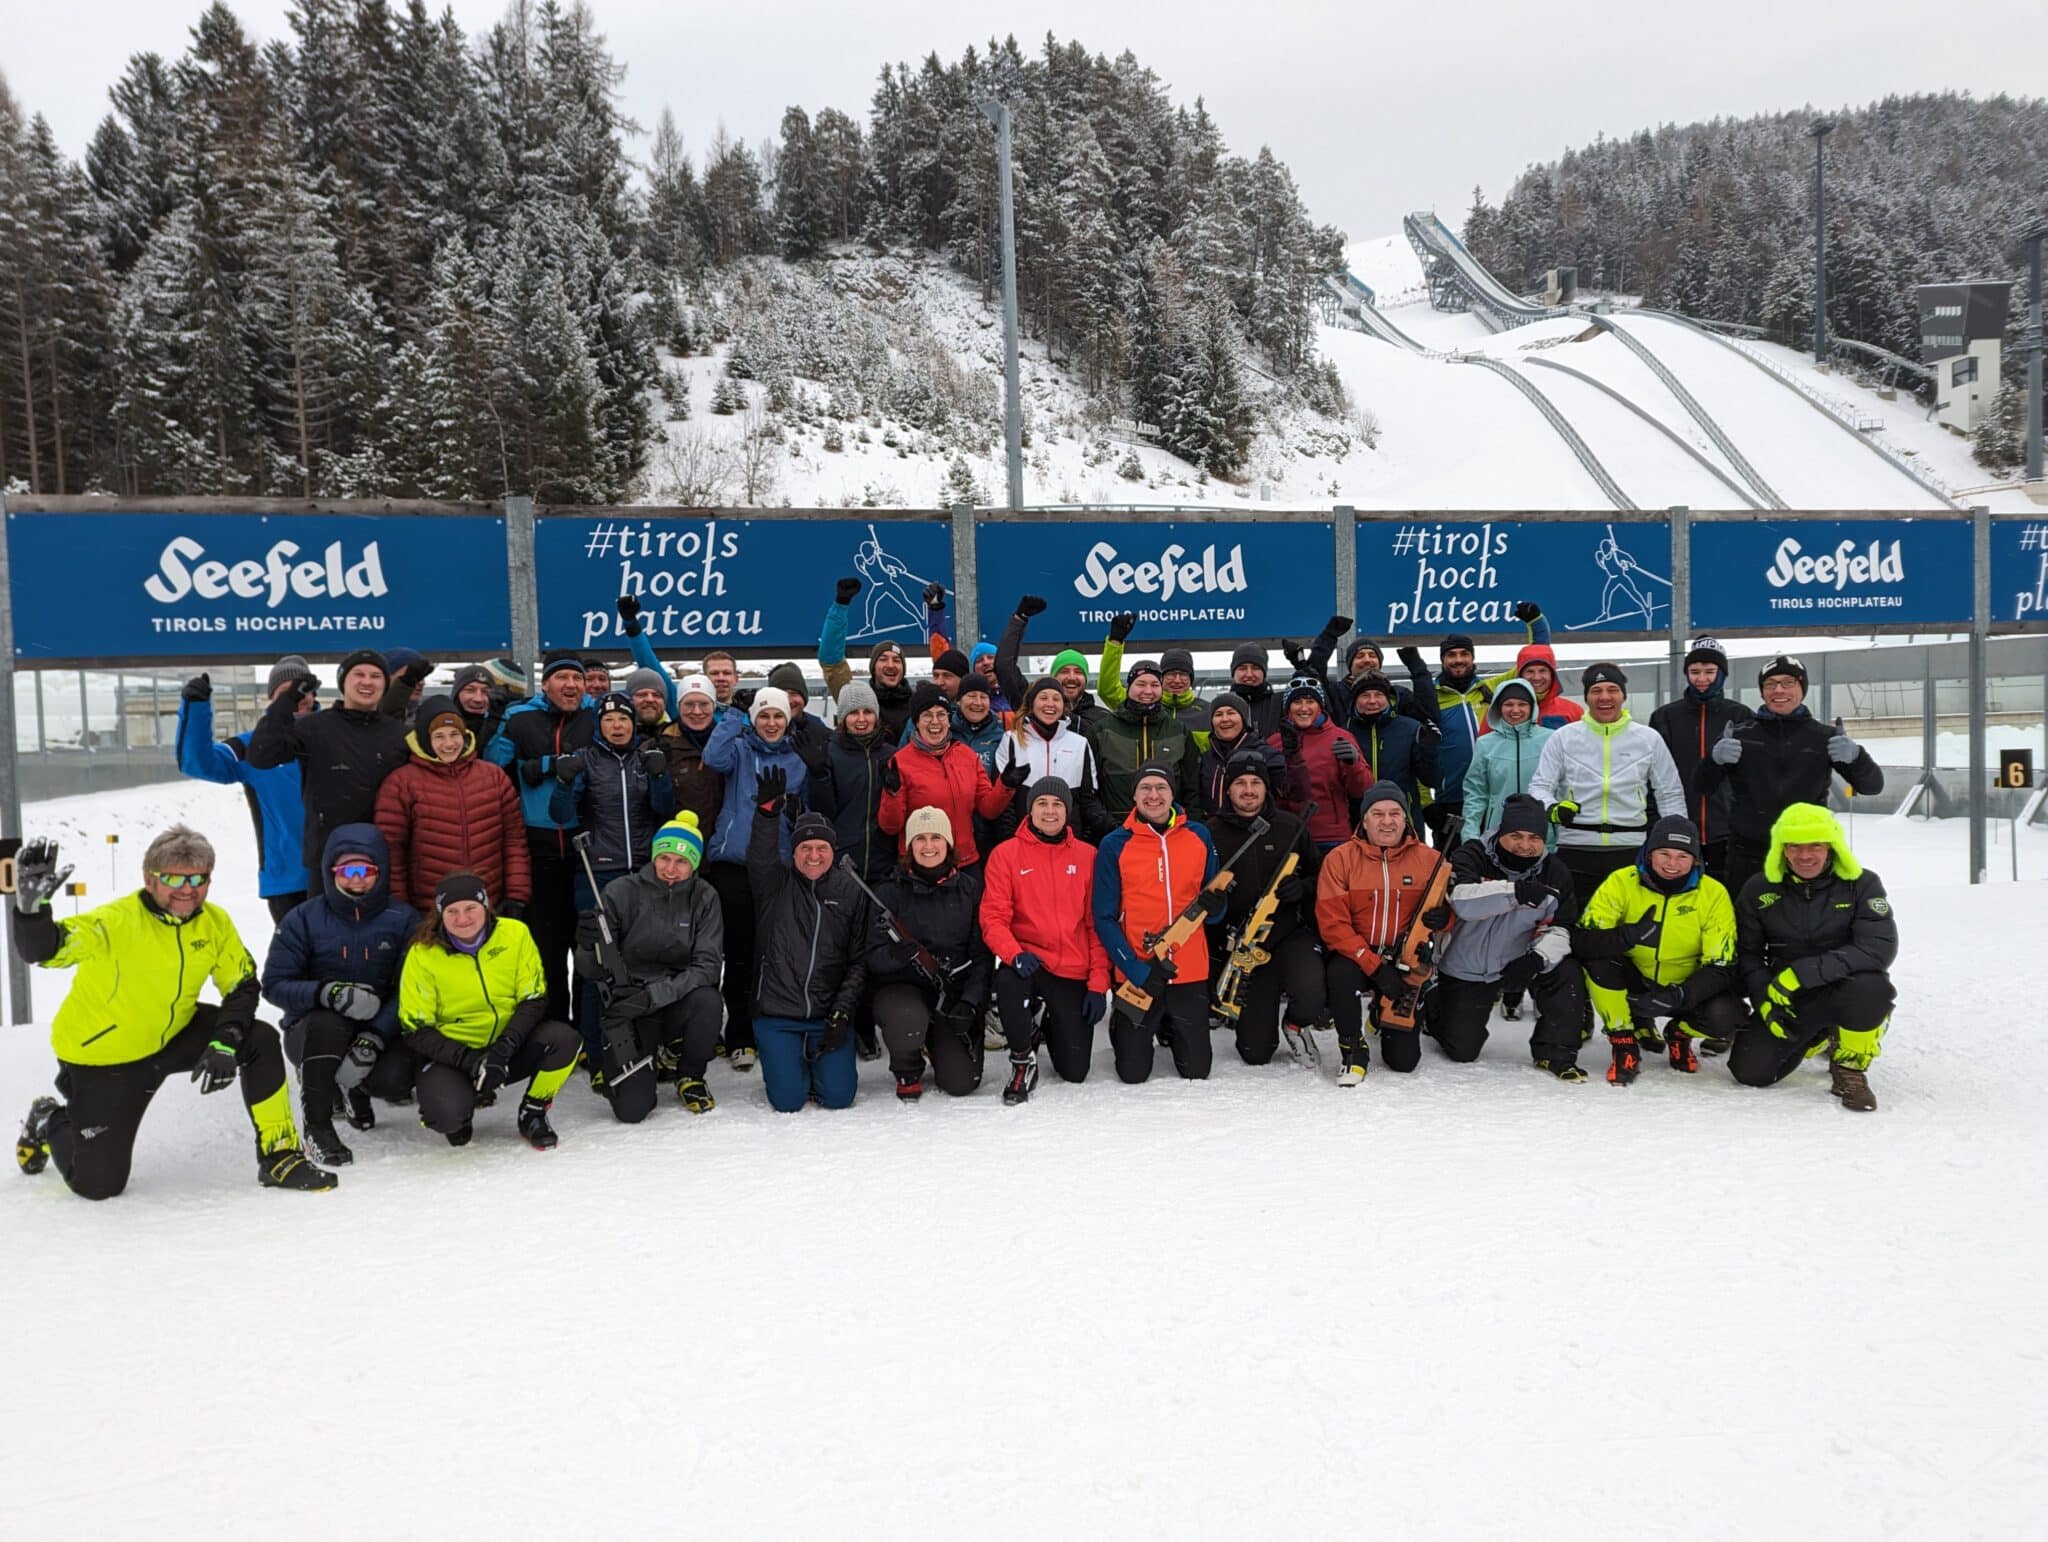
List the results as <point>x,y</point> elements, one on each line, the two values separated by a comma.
<point>441,819</point>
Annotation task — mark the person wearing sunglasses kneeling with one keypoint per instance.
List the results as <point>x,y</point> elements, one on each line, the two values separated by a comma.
<point>473,1005</point>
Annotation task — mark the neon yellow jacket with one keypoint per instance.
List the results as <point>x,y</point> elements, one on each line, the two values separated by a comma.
<point>139,977</point>
<point>1698,924</point>
<point>470,998</point>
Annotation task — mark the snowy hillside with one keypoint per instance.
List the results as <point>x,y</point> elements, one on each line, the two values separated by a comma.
<point>1469,1302</point>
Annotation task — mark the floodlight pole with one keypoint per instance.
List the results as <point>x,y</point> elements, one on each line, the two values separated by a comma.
<point>1013,409</point>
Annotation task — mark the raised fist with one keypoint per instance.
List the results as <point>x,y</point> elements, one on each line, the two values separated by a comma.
<point>198,688</point>
<point>1030,605</point>
<point>935,596</point>
<point>847,589</point>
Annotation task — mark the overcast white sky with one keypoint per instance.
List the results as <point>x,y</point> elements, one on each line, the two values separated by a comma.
<point>1378,109</point>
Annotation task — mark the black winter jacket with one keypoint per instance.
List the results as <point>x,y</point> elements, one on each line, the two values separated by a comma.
<point>1690,726</point>
<point>1254,870</point>
<point>1830,929</point>
<point>671,937</point>
<point>846,788</point>
<point>343,755</point>
<point>359,939</point>
<point>617,802</point>
<point>810,939</point>
<point>945,915</point>
<point>1784,761</point>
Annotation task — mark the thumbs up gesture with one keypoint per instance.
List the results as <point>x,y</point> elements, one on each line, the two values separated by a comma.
<point>1842,749</point>
<point>1727,749</point>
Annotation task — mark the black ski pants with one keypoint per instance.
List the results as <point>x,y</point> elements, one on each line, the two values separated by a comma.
<point>1296,972</point>
<point>1069,1035</point>
<point>1187,1021</point>
<point>910,1028</point>
<point>448,1098</point>
<point>282,905</point>
<point>1400,1048</point>
<point>1859,1003</point>
<point>92,1137</point>
<point>551,913</point>
<point>1743,863</point>
<point>1591,864</point>
<point>317,1042</point>
<point>687,1028</point>
<point>736,908</point>
<point>1718,1017</point>
<point>1456,1010</point>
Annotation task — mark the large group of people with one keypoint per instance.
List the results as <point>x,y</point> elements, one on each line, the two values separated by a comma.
<point>643,867</point>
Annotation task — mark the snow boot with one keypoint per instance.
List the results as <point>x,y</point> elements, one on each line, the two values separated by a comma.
<point>1354,1060</point>
<point>1679,1046</point>
<point>32,1145</point>
<point>1511,1006</point>
<point>325,1146</point>
<point>1023,1079</point>
<point>1709,1048</point>
<point>1648,1039</point>
<point>362,1115</point>
<point>992,1035</point>
<point>865,1045</point>
<point>1301,1043</point>
<point>1628,1060</point>
<point>742,1059</point>
<point>909,1086</point>
<point>696,1097</point>
<point>461,1137</point>
<point>1852,1087</point>
<point>533,1124</point>
<point>1563,1070</point>
<point>287,1168</point>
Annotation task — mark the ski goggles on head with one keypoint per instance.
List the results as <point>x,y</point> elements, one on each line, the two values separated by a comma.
<point>183,880</point>
<point>355,867</point>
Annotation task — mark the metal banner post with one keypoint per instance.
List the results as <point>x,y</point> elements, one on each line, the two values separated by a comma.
<point>966,580</point>
<point>19,1009</point>
<point>525,590</point>
<point>1980,628</point>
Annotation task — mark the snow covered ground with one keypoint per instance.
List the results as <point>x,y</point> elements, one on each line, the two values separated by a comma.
<point>1469,1302</point>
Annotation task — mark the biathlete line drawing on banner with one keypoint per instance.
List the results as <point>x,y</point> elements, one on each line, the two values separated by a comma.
<point>888,589</point>
<point>1627,594</point>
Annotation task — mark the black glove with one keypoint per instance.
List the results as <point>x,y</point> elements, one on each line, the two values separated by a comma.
<point>1412,658</point>
<point>1344,749</point>
<point>216,1066</point>
<point>1663,1001</point>
<point>771,787</point>
<point>1436,918</point>
<point>1566,813</point>
<point>1290,738</point>
<point>812,753</point>
<point>490,1076</point>
<point>302,687</point>
<point>845,590</point>
<point>1388,979</point>
<point>653,762</point>
<point>743,698</point>
<point>37,876</point>
<point>533,772</point>
<point>961,1016</point>
<point>415,673</point>
<point>198,688</point>
<point>1122,624</point>
<point>567,767</point>
<point>892,779</point>
<point>1291,890</point>
<point>1527,611</point>
<point>1026,965</point>
<point>1030,605</point>
<point>1337,626</point>
<point>837,1027</point>
<point>1295,653</point>
<point>1164,969</point>
<point>1016,774</point>
<point>1643,933</point>
<point>1429,731</point>
<point>359,1062</point>
<point>1530,891</point>
<point>628,1003</point>
<point>1213,901</point>
<point>356,1002</point>
<point>935,596</point>
<point>629,615</point>
<point>513,910</point>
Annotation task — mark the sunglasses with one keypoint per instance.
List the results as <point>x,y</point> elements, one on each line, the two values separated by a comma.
<point>355,870</point>
<point>183,880</point>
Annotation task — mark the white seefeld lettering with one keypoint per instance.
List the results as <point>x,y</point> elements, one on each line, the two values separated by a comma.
<point>1166,577</point>
<point>1838,569</point>
<point>269,580</point>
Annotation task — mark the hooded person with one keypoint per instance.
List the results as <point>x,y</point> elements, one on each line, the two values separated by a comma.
<point>343,752</point>
<point>659,979</point>
<point>1324,764</point>
<point>447,811</point>
<point>1536,666</point>
<point>1600,778</point>
<point>743,749</point>
<point>920,1015</point>
<point>1069,669</point>
<point>1691,726</point>
<point>1505,761</point>
<point>934,769</point>
<point>332,973</point>
<point>275,803</point>
<point>1141,731</point>
<point>814,924</point>
<point>1657,940</point>
<point>1369,891</point>
<point>1783,755</point>
<point>1815,944</point>
<point>1293,955</point>
<point>1396,749</point>
<point>1515,908</point>
<point>1148,871</point>
<point>888,669</point>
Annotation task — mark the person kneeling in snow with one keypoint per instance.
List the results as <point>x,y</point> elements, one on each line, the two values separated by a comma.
<point>1658,940</point>
<point>812,926</point>
<point>1816,940</point>
<point>917,1014</point>
<point>660,984</point>
<point>133,1018</point>
<point>1515,908</point>
<point>473,1001</point>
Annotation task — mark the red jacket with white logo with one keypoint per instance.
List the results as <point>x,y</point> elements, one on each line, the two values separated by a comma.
<point>1038,896</point>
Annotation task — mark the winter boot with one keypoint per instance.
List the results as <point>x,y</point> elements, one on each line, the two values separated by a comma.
<point>461,1137</point>
<point>1563,1070</point>
<point>287,1168</point>
<point>696,1097</point>
<point>1852,1087</point>
<point>1679,1046</point>
<point>1353,1061</point>
<point>323,1144</point>
<point>992,1035</point>
<point>1301,1043</point>
<point>1628,1060</point>
<point>1648,1039</point>
<point>909,1086</point>
<point>362,1115</point>
<point>1511,1006</point>
<point>1709,1048</point>
<point>32,1145</point>
<point>1023,1078</point>
<point>533,1124</point>
<point>742,1059</point>
<point>865,1045</point>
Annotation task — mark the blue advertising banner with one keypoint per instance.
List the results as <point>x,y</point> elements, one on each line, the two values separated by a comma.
<point>761,584</point>
<point>183,586</point>
<point>2019,571</point>
<point>1429,577</point>
<point>1189,581</point>
<point>1831,574</point>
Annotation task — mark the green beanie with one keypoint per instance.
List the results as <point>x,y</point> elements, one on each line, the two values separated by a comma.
<point>681,836</point>
<point>1068,656</point>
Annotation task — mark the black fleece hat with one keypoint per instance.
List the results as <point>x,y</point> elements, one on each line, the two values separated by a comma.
<point>1674,832</point>
<point>1783,664</point>
<point>1247,763</point>
<point>1177,658</point>
<point>1373,680</point>
<point>1235,703</point>
<point>1249,653</point>
<point>470,674</point>
<point>560,660</point>
<point>1525,814</point>
<point>954,662</point>
<point>457,887</point>
<point>1351,654</point>
<point>1455,640</point>
<point>1143,667</point>
<point>972,684</point>
<point>1707,650</point>
<point>1381,792</point>
<point>1158,768</point>
<point>1050,787</point>
<point>361,656</point>
<point>813,826</point>
<point>1602,674</point>
<point>926,697</point>
<point>616,701</point>
<point>1038,688</point>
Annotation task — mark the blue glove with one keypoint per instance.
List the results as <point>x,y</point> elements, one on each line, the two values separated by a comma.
<point>1026,964</point>
<point>1093,1005</point>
